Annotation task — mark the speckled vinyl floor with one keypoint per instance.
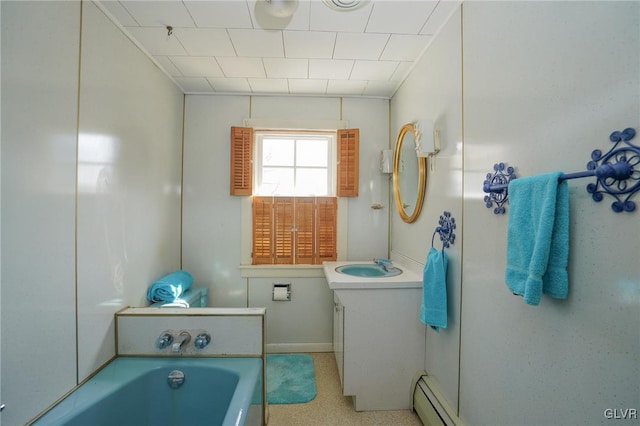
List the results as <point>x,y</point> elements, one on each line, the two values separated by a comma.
<point>331,408</point>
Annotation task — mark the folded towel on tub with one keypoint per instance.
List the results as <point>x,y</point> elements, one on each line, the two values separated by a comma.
<point>433,311</point>
<point>538,237</point>
<point>170,287</point>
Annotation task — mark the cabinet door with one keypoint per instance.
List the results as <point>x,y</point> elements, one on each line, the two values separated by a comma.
<point>338,336</point>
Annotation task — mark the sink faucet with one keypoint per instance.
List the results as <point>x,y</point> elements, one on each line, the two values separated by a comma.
<point>182,339</point>
<point>384,264</point>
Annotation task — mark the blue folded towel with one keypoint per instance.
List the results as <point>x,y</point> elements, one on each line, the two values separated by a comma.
<point>538,237</point>
<point>170,287</point>
<point>433,310</point>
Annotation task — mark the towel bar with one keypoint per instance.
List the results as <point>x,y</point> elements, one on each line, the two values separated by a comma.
<point>615,174</point>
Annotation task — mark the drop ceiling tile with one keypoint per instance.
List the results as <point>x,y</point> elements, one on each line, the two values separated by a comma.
<point>405,47</point>
<point>330,69</point>
<point>119,13</point>
<point>197,66</point>
<point>402,71</point>
<point>307,86</point>
<point>359,46</point>
<point>190,84</point>
<point>159,13</point>
<point>286,68</point>
<point>205,41</point>
<point>440,16</point>
<point>156,41</point>
<point>399,16</point>
<point>257,43</point>
<point>230,85</point>
<point>220,14</point>
<point>242,67</point>
<point>323,18</point>
<point>271,85</point>
<point>346,87</point>
<point>384,89</point>
<point>309,44</point>
<point>373,70</point>
<point>168,66</point>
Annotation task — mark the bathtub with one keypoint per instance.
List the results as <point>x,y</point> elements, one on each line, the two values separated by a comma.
<point>136,391</point>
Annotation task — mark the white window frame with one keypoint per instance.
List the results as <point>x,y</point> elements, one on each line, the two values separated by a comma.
<point>330,136</point>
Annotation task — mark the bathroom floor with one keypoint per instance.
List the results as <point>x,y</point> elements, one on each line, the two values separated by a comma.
<point>330,407</point>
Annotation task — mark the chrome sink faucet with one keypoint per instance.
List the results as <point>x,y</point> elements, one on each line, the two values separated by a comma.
<point>384,264</point>
<point>181,339</point>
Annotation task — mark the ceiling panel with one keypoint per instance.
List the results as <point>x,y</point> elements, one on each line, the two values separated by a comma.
<point>239,47</point>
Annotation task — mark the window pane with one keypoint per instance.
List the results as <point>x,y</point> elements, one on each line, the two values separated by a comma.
<point>277,152</point>
<point>311,182</point>
<point>312,152</point>
<point>276,181</point>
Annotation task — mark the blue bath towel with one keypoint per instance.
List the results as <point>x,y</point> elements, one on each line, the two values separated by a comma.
<point>170,287</point>
<point>538,237</point>
<point>433,311</point>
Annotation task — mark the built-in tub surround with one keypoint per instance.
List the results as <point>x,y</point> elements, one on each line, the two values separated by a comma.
<point>378,340</point>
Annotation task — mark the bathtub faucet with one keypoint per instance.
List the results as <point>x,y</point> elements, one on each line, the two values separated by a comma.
<point>181,339</point>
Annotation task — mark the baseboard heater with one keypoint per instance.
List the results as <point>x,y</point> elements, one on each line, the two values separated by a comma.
<point>429,404</point>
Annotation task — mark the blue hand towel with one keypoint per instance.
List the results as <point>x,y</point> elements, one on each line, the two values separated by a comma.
<point>538,237</point>
<point>433,310</point>
<point>170,287</point>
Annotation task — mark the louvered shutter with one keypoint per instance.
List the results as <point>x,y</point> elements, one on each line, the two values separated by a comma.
<point>305,230</point>
<point>326,229</point>
<point>347,173</point>
<point>262,251</point>
<point>241,160</point>
<point>283,230</point>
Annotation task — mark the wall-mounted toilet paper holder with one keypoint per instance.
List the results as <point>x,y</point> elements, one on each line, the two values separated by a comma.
<point>281,292</point>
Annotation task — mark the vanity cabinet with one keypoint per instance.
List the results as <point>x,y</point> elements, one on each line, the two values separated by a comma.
<point>379,344</point>
<point>338,336</point>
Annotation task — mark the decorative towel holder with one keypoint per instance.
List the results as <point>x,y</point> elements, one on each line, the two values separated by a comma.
<point>445,229</point>
<point>617,173</point>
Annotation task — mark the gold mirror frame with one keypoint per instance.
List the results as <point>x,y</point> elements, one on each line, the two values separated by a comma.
<point>408,217</point>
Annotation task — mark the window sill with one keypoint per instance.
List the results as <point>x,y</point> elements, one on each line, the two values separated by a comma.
<point>281,271</point>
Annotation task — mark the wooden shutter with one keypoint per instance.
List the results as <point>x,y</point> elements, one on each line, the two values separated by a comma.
<point>262,250</point>
<point>347,174</point>
<point>305,230</point>
<point>283,230</point>
<point>326,229</point>
<point>241,160</point>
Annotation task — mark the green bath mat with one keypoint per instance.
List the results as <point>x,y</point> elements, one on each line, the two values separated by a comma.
<point>290,379</point>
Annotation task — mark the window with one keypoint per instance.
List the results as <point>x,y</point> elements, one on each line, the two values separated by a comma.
<point>294,178</point>
<point>294,164</point>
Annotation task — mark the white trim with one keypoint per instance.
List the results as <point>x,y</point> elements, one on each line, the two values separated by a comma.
<point>271,124</point>
<point>275,348</point>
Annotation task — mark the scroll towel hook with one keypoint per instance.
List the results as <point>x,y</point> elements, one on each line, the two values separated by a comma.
<point>445,228</point>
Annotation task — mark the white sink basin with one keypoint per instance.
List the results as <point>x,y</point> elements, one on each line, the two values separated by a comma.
<point>368,270</point>
<point>355,278</point>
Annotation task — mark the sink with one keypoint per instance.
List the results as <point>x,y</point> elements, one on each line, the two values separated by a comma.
<point>368,270</point>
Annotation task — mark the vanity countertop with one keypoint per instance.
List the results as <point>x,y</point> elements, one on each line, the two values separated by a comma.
<point>338,281</point>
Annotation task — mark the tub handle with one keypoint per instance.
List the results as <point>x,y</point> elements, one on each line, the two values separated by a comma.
<point>202,340</point>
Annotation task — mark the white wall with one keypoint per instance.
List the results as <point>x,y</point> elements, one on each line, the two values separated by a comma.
<point>39,115</point>
<point>539,92</point>
<point>92,228</point>
<point>129,177</point>
<point>214,222</point>
<point>434,91</point>
<point>544,85</point>
<point>217,226</point>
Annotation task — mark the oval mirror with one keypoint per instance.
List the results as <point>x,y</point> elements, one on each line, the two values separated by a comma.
<point>409,175</point>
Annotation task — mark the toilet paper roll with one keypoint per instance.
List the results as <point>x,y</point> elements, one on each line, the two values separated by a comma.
<point>280,293</point>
